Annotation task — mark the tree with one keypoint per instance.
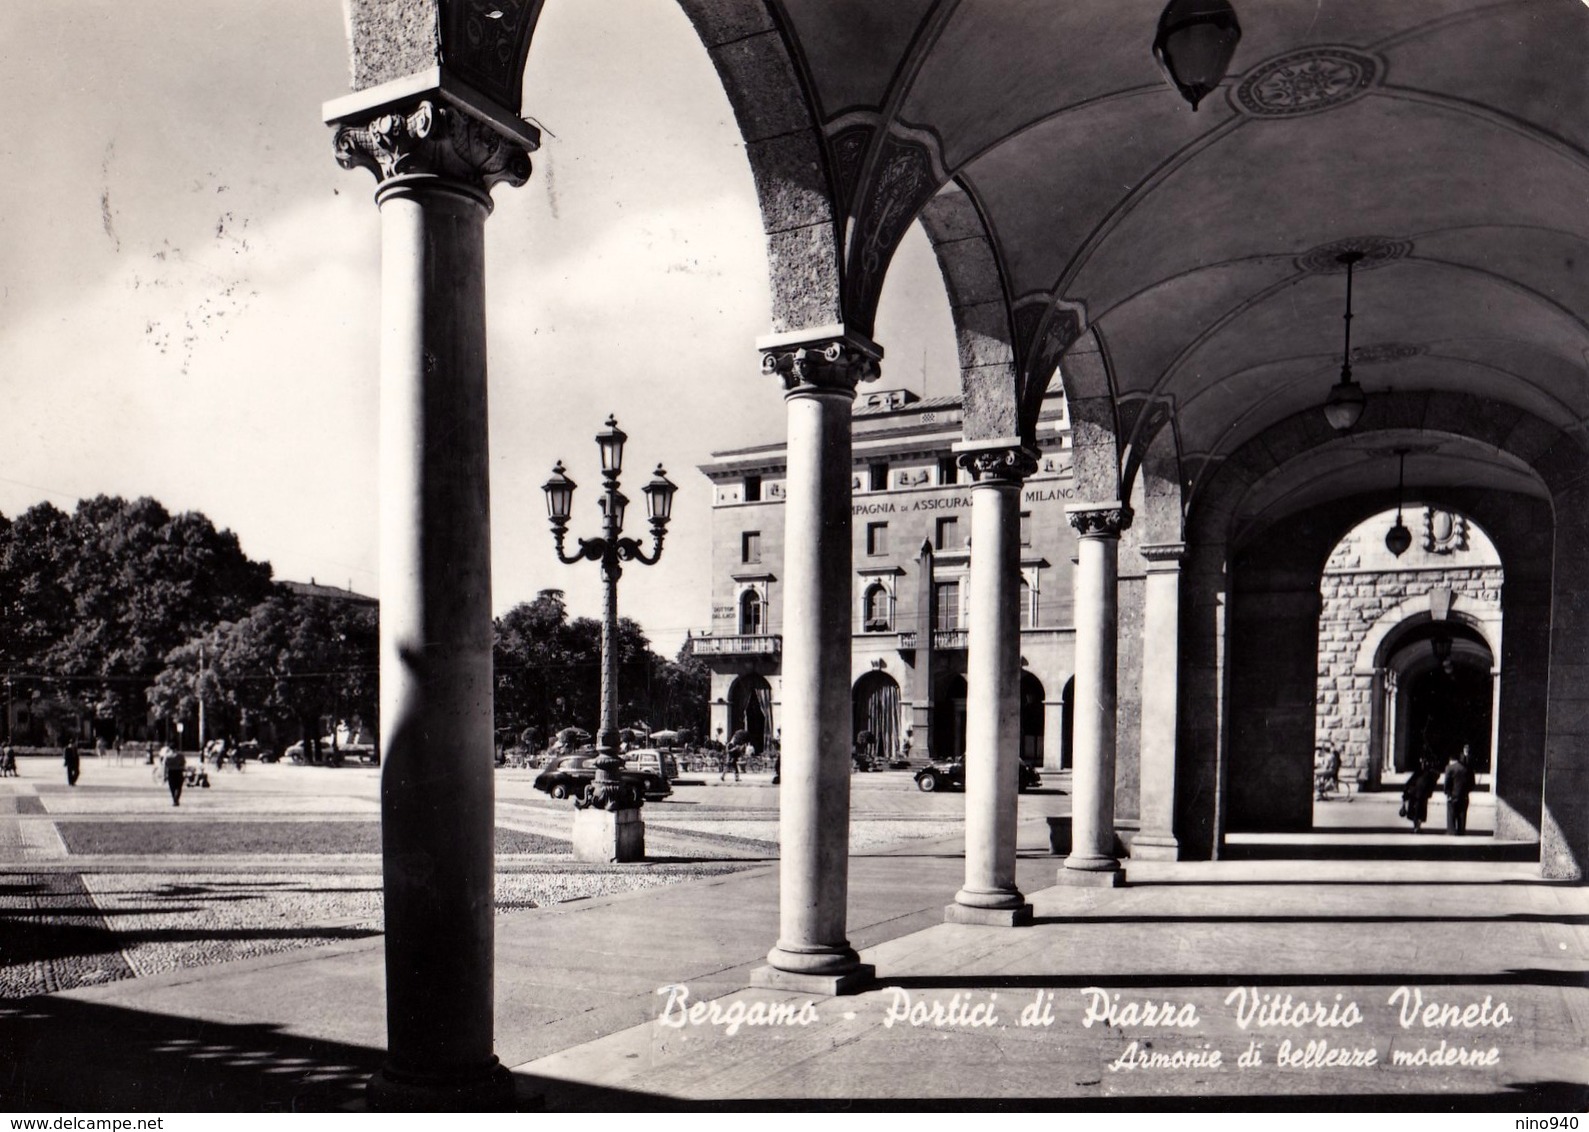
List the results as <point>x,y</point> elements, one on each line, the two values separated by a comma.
<point>93,602</point>
<point>548,672</point>
<point>292,661</point>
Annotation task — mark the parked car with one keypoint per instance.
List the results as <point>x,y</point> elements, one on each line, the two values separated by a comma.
<point>952,776</point>
<point>367,753</point>
<point>663,763</point>
<point>568,776</point>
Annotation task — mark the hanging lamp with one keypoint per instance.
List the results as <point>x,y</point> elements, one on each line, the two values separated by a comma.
<point>1194,45</point>
<point>1399,538</point>
<point>1344,406</point>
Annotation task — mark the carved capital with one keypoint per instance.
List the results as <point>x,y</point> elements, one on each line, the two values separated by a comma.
<point>1000,465</point>
<point>831,364</point>
<point>1163,557</point>
<point>433,140</point>
<point>1093,520</point>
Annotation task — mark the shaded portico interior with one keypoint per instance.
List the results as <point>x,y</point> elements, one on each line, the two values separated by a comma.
<point>1178,272</point>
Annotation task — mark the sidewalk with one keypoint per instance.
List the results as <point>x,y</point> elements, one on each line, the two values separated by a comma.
<point>578,1002</point>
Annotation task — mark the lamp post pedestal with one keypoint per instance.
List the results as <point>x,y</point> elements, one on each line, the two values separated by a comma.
<point>607,825</point>
<point>609,836</point>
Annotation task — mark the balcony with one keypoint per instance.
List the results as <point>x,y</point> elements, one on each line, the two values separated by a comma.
<point>949,638</point>
<point>740,645</point>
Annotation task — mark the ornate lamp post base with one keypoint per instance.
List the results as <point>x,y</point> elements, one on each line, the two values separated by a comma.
<point>609,836</point>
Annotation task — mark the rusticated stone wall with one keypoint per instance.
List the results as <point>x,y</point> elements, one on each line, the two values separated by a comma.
<point>1362,583</point>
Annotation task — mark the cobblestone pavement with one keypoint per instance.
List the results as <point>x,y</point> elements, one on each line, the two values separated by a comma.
<point>107,880</point>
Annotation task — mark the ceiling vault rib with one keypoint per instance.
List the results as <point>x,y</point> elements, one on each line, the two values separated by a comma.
<point>1430,27</point>
<point>1519,127</point>
<point>1140,192</point>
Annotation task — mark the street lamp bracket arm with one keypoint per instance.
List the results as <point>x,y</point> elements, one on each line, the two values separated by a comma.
<point>629,550</point>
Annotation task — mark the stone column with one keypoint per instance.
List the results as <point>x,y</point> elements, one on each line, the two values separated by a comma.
<point>820,369</point>
<point>993,686</point>
<point>435,165</point>
<point>1161,684</point>
<point>1092,859</point>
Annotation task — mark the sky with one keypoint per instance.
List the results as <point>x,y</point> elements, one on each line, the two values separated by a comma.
<point>189,286</point>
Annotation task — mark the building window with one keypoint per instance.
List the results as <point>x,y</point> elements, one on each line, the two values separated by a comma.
<point>948,470</point>
<point>750,623</point>
<point>946,605</point>
<point>1028,606</point>
<point>877,476</point>
<point>1026,528</point>
<point>878,615</point>
<point>947,536</point>
<point>877,538</point>
<point>752,489</point>
<point>750,546</point>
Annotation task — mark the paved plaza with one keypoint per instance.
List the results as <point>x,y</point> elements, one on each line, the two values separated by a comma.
<point>228,955</point>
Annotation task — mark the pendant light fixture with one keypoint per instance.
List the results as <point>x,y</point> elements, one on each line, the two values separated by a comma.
<point>1194,45</point>
<point>1399,538</point>
<point>1344,406</point>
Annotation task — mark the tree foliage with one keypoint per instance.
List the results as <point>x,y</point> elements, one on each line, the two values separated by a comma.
<point>291,662</point>
<point>92,602</point>
<point>548,673</point>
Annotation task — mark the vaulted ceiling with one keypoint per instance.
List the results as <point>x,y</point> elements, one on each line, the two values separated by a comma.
<point>1446,139</point>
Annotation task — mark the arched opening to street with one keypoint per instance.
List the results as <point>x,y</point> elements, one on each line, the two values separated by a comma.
<point>750,709</point>
<point>877,731</point>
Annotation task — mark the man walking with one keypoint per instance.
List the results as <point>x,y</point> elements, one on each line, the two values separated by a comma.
<point>73,763</point>
<point>1459,784</point>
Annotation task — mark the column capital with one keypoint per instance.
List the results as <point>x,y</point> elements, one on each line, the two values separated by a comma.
<point>1163,557</point>
<point>826,359</point>
<point>1099,520</point>
<point>429,137</point>
<point>997,462</point>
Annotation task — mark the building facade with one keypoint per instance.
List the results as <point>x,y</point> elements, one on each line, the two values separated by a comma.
<point>910,600</point>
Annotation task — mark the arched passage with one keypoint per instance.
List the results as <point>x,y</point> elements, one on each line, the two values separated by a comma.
<point>1032,723</point>
<point>876,713</point>
<point>1381,617</point>
<point>949,716</point>
<point>750,708</point>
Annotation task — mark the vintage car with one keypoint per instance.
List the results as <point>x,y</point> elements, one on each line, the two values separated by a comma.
<point>952,776</point>
<point>569,776</point>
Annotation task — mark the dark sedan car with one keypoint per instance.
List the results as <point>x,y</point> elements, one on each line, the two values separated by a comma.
<point>569,776</point>
<point>952,776</point>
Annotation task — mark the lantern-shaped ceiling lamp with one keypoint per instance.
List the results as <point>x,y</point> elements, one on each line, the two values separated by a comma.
<point>1440,645</point>
<point>559,494</point>
<point>1344,406</point>
<point>1399,538</point>
<point>610,440</point>
<point>1194,45</point>
<point>659,497</point>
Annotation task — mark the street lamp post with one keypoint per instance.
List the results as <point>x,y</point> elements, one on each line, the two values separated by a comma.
<point>609,792</point>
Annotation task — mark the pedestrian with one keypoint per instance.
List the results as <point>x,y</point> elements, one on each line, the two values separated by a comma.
<point>73,763</point>
<point>8,760</point>
<point>176,769</point>
<point>1415,795</point>
<point>1459,784</point>
<point>731,760</point>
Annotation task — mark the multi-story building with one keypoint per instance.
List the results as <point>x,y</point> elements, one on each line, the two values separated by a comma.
<point>910,530</point>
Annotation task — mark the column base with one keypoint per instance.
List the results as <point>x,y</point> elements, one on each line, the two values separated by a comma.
<point>609,836</point>
<point>1091,872</point>
<point>1018,916</point>
<point>490,1090</point>
<point>856,979</point>
<point>1155,847</point>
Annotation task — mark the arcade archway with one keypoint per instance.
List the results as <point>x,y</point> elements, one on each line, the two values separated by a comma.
<point>750,708</point>
<point>876,715</point>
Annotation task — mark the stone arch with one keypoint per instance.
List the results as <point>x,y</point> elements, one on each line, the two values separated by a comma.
<point>1384,634</point>
<point>1541,534</point>
<point>750,709</point>
<point>788,154</point>
<point>1033,718</point>
<point>876,709</point>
